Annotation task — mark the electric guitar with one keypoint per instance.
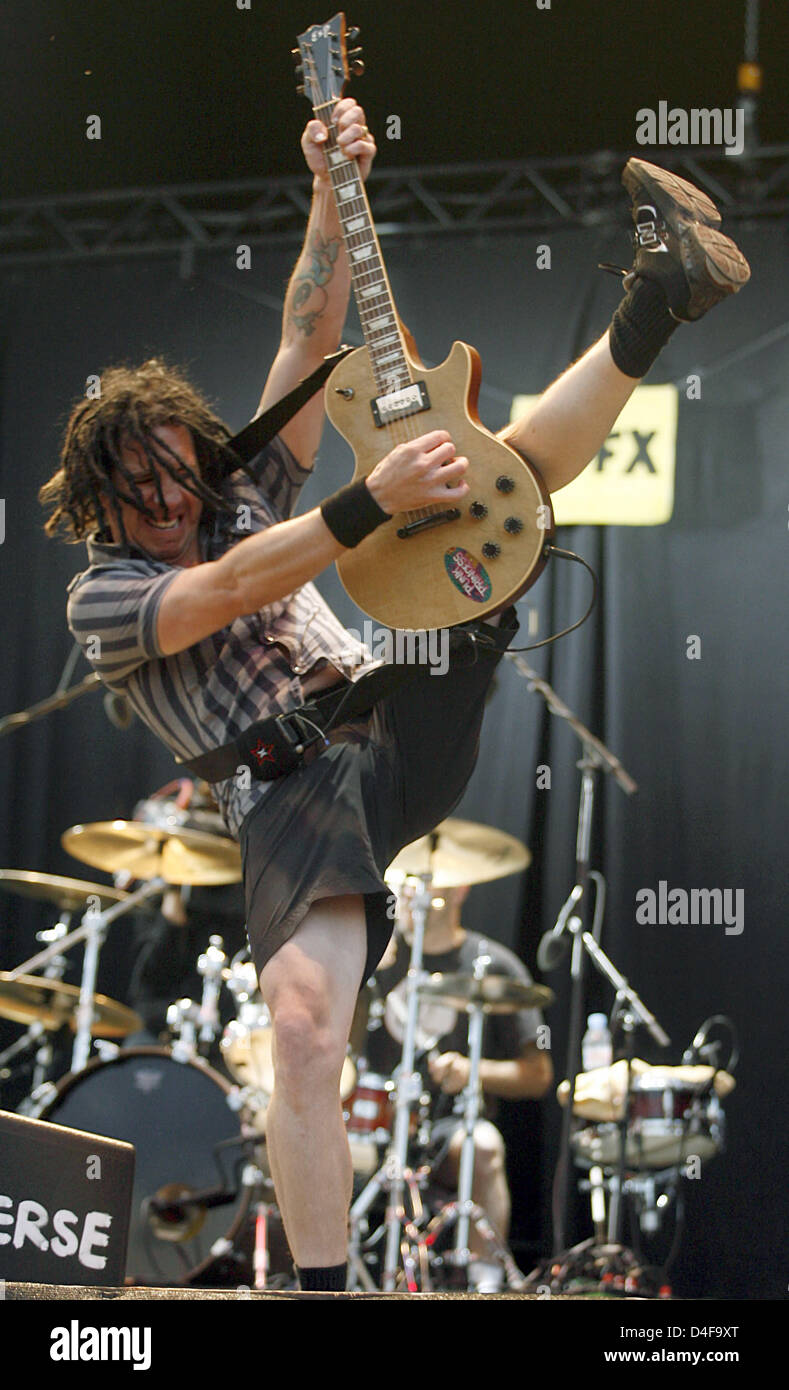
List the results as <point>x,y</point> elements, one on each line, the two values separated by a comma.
<point>437,566</point>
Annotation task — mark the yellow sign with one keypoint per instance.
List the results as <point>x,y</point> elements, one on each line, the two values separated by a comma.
<point>630,482</point>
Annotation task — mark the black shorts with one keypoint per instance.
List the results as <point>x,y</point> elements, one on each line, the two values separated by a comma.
<point>334,826</point>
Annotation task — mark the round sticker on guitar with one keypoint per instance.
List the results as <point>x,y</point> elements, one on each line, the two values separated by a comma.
<point>467,575</point>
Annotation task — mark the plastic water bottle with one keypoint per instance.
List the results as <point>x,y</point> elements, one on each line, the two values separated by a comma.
<point>596,1047</point>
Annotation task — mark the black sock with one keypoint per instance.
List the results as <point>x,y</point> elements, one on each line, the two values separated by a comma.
<point>641,326</point>
<point>322,1277</point>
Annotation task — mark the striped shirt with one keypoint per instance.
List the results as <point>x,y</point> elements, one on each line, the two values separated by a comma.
<point>201,698</point>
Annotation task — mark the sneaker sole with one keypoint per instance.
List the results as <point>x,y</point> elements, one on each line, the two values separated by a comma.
<point>670,194</point>
<point>713,265</point>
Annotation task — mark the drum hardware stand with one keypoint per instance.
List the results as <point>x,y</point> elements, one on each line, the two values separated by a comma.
<point>37,1033</point>
<point>182,1019</point>
<point>211,965</point>
<point>92,931</point>
<point>464,1212</point>
<point>394,1175</point>
<point>260,1213</point>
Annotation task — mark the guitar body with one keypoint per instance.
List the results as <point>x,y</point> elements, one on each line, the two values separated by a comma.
<point>441,575</point>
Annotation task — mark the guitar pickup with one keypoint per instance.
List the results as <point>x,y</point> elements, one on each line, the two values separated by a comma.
<point>426,522</point>
<point>409,400</point>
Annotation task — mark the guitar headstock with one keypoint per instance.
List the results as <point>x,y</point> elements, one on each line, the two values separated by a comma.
<point>325,63</point>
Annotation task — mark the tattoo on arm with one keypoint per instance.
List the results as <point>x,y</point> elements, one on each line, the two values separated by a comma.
<point>319,259</point>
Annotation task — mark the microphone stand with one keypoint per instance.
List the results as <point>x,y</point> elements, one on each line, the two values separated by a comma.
<point>636,1013</point>
<point>596,758</point>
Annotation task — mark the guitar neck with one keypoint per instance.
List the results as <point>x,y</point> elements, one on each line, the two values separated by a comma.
<point>373,294</point>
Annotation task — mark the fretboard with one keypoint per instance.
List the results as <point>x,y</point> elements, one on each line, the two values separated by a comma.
<point>368,275</point>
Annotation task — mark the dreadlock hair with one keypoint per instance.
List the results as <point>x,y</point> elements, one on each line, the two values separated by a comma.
<point>93,479</point>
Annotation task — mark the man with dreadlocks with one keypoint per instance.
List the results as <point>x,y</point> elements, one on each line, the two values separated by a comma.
<point>208,629</point>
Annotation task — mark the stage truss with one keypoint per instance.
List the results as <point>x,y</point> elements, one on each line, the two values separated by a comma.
<point>537,195</point>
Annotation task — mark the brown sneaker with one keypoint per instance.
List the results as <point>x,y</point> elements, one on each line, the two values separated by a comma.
<point>677,243</point>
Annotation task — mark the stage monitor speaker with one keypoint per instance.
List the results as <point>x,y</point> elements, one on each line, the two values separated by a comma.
<point>65,1204</point>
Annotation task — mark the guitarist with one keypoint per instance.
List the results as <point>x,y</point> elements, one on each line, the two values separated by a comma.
<point>207,629</point>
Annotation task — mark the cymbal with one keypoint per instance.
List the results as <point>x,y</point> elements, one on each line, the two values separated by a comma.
<point>464,853</point>
<point>68,894</point>
<point>30,999</point>
<point>498,994</point>
<point>153,851</point>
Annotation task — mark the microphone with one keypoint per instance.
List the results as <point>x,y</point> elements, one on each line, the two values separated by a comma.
<point>177,1212</point>
<point>118,710</point>
<point>554,943</point>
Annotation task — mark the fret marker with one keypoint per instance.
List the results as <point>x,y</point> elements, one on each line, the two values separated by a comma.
<point>346,191</point>
<point>337,157</point>
<point>355,223</point>
<point>363,253</point>
<point>371,291</point>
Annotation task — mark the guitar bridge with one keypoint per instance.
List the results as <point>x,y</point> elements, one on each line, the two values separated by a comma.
<point>426,522</point>
<point>395,405</point>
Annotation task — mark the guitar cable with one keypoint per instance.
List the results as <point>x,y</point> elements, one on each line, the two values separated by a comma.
<point>578,559</point>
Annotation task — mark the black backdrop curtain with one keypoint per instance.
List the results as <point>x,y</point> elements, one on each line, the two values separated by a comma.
<point>705,739</point>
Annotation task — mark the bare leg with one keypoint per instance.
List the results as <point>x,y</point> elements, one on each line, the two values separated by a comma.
<point>569,423</point>
<point>310,987</point>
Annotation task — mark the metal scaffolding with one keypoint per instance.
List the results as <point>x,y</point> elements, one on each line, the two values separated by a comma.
<point>536,195</point>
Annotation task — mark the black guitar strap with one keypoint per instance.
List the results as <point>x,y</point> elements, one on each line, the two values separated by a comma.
<point>249,441</point>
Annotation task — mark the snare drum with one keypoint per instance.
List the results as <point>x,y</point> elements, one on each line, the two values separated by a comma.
<point>669,1121</point>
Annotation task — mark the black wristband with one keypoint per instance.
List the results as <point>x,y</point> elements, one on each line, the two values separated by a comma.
<point>352,513</point>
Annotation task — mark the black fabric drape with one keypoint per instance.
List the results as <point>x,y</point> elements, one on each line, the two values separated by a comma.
<point>705,739</point>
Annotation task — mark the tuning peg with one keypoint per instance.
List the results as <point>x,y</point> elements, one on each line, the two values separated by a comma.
<point>300,90</point>
<point>357,67</point>
<point>355,53</point>
<point>295,54</point>
<point>352,35</point>
<point>299,71</point>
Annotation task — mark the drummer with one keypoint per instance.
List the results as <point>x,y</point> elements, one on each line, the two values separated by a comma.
<point>513,1067</point>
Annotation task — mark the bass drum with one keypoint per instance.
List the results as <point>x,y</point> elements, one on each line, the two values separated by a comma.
<point>185,1134</point>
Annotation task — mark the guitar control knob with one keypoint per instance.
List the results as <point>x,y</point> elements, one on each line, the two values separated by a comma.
<point>513,525</point>
<point>505,484</point>
<point>478,510</point>
<point>490,550</point>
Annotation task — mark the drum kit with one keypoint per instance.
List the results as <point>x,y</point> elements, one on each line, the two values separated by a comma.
<point>203,1209</point>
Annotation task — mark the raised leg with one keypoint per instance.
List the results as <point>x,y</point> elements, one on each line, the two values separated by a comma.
<point>570,422</point>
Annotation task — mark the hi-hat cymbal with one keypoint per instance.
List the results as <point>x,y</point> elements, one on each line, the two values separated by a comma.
<point>31,999</point>
<point>67,894</point>
<point>464,853</point>
<point>151,851</point>
<point>497,994</point>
